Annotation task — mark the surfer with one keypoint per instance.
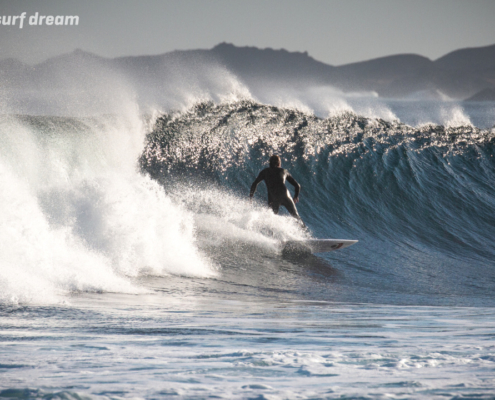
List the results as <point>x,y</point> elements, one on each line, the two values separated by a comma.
<point>278,194</point>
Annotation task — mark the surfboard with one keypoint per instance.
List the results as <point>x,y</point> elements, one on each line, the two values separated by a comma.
<point>316,245</point>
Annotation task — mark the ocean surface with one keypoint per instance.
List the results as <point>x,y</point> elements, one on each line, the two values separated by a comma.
<point>134,266</point>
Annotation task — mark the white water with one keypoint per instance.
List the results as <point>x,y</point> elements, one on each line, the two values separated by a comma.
<point>78,216</point>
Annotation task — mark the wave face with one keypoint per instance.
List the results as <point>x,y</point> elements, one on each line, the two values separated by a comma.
<point>420,200</point>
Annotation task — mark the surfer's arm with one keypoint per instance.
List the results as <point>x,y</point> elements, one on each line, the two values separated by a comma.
<point>297,187</point>
<point>260,177</point>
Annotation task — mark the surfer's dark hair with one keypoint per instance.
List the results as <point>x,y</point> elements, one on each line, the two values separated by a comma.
<point>275,161</point>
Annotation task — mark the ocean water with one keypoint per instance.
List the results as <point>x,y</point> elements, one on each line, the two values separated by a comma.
<point>133,265</point>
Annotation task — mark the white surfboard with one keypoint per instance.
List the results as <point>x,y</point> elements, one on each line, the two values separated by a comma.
<point>316,245</point>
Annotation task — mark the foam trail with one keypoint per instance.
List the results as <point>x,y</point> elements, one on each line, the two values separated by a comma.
<point>222,218</point>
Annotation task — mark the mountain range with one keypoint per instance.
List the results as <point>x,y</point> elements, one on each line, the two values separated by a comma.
<point>462,74</point>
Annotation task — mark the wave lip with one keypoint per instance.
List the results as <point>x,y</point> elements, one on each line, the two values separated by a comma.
<point>212,138</point>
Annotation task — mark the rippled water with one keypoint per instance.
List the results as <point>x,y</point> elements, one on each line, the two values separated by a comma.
<point>214,346</point>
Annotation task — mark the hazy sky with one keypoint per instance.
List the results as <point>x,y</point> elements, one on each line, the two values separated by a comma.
<point>335,32</point>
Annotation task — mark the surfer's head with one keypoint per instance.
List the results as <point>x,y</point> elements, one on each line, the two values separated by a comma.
<point>275,161</point>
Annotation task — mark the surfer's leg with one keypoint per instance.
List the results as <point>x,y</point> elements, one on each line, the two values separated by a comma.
<point>288,203</point>
<point>291,208</point>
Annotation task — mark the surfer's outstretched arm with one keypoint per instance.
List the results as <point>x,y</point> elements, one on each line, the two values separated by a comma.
<point>260,177</point>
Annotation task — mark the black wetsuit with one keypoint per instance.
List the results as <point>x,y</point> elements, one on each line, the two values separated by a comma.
<point>278,194</point>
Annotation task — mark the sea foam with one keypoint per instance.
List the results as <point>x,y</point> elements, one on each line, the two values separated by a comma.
<point>79,216</point>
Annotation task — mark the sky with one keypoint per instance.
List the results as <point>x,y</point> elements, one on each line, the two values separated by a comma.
<point>335,32</point>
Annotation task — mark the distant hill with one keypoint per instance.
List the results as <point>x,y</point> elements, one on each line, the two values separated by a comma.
<point>460,74</point>
<point>470,59</point>
<point>484,95</point>
<point>251,62</point>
